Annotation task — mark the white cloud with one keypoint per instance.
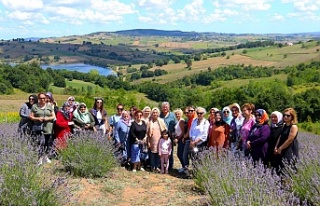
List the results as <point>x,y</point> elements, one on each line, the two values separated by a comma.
<point>305,6</point>
<point>277,17</point>
<point>25,5</point>
<point>145,19</point>
<point>247,5</point>
<point>154,4</point>
<point>192,12</point>
<point>112,7</point>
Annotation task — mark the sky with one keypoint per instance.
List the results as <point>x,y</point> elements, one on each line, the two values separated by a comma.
<point>57,18</point>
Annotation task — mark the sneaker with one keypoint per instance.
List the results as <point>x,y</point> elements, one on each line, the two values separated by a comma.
<point>134,170</point>
<point>40,161</point>
<point>181,170</point>
<point>47,160</point>
<point>142,169</point>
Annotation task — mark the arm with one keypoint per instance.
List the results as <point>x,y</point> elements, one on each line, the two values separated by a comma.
<point>181,125</point>
<point>292,135</point>
<point>116,133</point>
<point>264,135</point>
<point>159,147</point>
<point>23,111</point>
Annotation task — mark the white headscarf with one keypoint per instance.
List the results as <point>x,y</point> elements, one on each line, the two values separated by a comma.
<point>279,116</point>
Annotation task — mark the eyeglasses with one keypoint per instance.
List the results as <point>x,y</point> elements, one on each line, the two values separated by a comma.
<point>83,107</point>
<point>120,109</point>
<point>225,111</point>
<point>287,115</point>
<point>71,100</point>
<point>42,98</point>
<point>139,115</point>
<point>200,113</point>
<point>31,99</point>
<point>234,110</point>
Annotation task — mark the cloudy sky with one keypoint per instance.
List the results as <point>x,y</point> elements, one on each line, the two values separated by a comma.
<point>47,18</point>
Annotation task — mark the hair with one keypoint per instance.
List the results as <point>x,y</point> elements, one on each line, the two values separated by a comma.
<point>164,132</point>
<point>125,112</point>
<point>120,105</point>
<point>137,112</point>
<point>133,107</point>
<point>294,119</point>
<point>201,108</point>
<point>165,103</point>
<point>248,106</point>
<point>178,110</point>
<point>40,94</point>
<point>155,108</point>
<point>95,103</point>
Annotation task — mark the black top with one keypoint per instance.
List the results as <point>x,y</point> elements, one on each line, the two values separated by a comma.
<point>274,136</point>
<point>293,149</point>
<point>137,132</point>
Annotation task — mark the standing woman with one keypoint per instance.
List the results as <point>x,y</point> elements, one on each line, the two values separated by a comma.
<point>276,129</point>
<point>235,126</point>
<point>219,133</point>
<point>42,116</point>
<point>137,137</point>
<point>100,116</point>
<point>156,126</point>
<point>257,141</point>
<point>63,126</point>
<point>83,119</point>
<point>248,122</point>
<point>121,133</point>
<point>179,134</point>
<point>287,146</point>
<point>146,114</point>
<point>227,116</point>
<point>24,113</point>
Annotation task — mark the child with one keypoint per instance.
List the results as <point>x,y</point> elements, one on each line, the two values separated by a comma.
<point>165,148</point>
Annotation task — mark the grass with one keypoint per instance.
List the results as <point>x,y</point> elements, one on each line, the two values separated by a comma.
<point>76,84</point>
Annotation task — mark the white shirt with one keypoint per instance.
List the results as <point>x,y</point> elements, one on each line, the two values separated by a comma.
<point>199,131</point>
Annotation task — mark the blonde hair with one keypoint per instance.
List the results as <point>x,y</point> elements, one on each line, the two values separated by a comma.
<point>178,110</point>
<point>293,113</point>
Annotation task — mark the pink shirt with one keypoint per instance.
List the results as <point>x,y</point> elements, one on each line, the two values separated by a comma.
<point>165,146</point>
<point>245,129</point>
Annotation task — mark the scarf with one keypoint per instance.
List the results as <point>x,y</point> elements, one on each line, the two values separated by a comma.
<point>264,117</point>
<point>279,116</point>
<point>228,118</point>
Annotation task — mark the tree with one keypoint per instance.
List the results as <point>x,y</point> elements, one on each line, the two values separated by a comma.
<point>189,63</point>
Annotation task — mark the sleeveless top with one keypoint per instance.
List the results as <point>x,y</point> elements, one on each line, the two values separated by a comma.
<point>293,149</point>
<point>177,128</point>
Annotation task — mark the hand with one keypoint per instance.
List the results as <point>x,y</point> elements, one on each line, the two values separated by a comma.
<point>70,123</point>
<point>175,140</point>
<point>192,144</point>
<point>248,144</point>
<point>277,151</point>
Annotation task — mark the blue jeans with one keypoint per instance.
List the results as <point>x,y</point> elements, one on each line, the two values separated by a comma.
<point>154,160</point>
<point>180,151</point>
<point>171,159</point>
<point>186,153</point>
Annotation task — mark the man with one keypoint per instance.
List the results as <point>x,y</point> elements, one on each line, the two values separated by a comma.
<point>170,120</point>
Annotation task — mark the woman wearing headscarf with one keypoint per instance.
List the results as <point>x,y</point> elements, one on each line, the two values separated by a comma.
<point>218,138</point>
<point>257,142</point>
<point>235,126</point>
<point>63,126</point>
<point>71,100</point>
<point>121,132</point>
<point>83,118</point>
<point>276,128</point>
<point>24,113</point>
<point>226,115</point>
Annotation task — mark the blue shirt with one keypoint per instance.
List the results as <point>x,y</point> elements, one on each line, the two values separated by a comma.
<point>170,121</point>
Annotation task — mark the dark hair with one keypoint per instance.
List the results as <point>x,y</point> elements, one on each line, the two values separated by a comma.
<point>95,103</point>
<point>137,112</point>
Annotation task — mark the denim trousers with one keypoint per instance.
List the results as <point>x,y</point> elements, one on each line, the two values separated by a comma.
<point>154,160</point>
<point>186,153</point>
<point>180,151</point>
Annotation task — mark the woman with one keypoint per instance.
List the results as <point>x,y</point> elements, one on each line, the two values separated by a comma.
<point>287,147</point>
<point>248,122</point>
<point>71,100</point>
<point>146,114</point>
<point>227,116</point>
<point>83,119</point>
<point>24,113</point>
<point>276,128</point>
<point>179,134</point>
<point>137,137</point>
<point>121,132</point>
<point>218,138</point>
<point>42,116</point>
<point>63,126</point>
<point>211,118</point>
<point>235,126</point>
<point>257,142</point>
<point>156,126</point>
<point>100,116</point>
<point>50,101</point>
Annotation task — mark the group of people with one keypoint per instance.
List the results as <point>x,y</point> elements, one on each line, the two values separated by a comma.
<point>149,136</point>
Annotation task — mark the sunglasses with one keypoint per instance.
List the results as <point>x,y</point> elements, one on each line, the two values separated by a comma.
<point>31,98</point>
<point>257,115</point>
<point>42,98</point>
<point>226,111</point>
<point>120,109</point>
<point>191,110</point>
<point>200,113</point>
<point>72,100</point>
<point>287,115</point>
<point>83,107</point>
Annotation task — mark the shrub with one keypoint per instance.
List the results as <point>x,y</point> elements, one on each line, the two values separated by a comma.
<point>88,155</point>
<point>21,181</point>
<point>229,180</point>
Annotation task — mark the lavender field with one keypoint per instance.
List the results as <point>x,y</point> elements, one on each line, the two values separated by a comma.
<point>224,181</point>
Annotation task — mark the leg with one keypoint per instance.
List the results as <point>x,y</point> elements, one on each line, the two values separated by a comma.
<point>180,152</point>
<point>186,153</point>
<point>171,159</point>
<point>162,159</point>
<point>166,162</point>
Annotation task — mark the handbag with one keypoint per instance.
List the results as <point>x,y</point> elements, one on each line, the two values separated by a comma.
<point>37,128</point>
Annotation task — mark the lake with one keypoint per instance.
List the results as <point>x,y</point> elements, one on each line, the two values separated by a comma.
<point>80,67</point>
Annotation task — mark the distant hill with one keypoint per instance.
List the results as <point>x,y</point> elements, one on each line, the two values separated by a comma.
<point>155,32</point>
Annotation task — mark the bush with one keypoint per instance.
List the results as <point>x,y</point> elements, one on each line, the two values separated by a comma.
<point>229,180</point>
<point>88,155</point>
<point>21,181</point>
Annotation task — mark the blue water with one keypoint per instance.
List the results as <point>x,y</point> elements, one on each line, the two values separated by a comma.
<point>80,67</point>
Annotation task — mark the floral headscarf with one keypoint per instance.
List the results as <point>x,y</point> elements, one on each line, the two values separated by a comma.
<point>264,116</point>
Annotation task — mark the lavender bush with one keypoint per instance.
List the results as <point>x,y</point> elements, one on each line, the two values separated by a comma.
<point>22,182</point>
<point>88,155</point>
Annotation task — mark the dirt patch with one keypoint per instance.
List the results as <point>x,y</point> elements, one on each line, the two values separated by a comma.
<point>175,45</point>
<point>135,43</point>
